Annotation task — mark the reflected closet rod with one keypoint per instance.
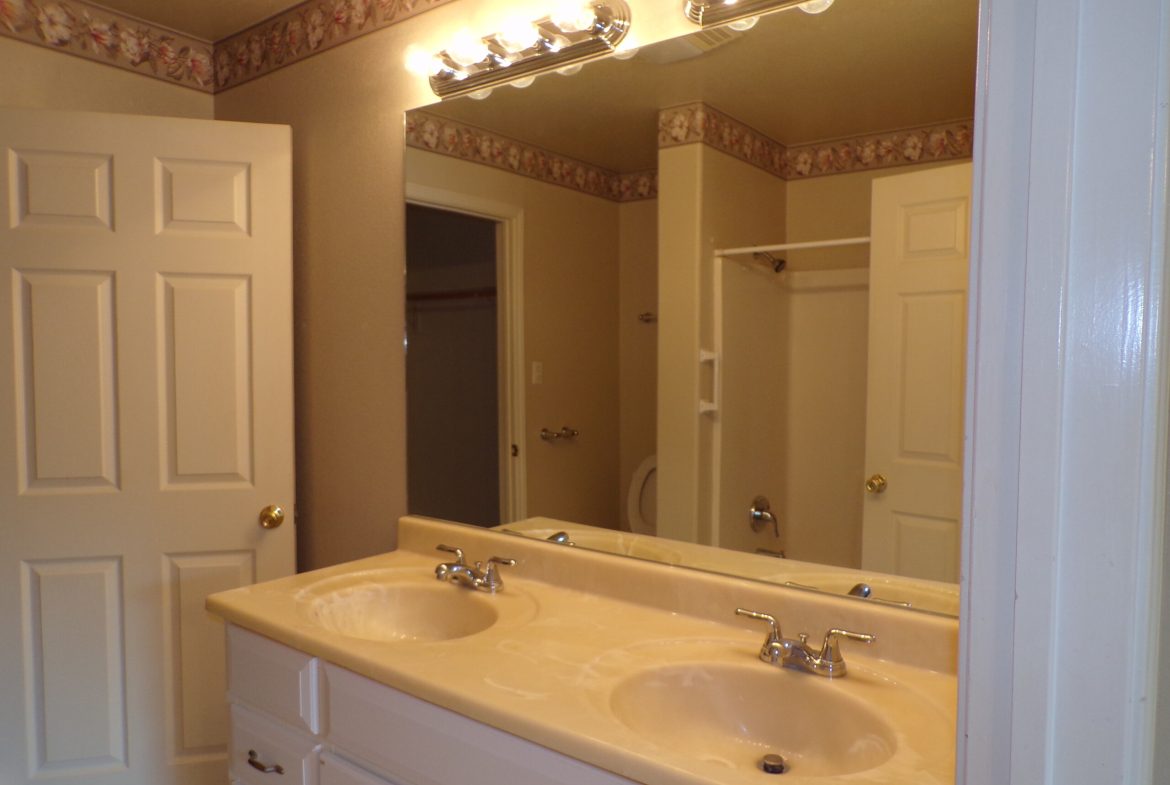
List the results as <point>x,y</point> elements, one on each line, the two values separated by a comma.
<point>792,246</point>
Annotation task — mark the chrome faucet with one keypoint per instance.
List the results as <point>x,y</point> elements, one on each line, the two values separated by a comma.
<point>477,577</point>
<point>787,653</point>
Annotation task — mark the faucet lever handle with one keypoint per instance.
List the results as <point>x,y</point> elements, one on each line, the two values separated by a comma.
<point>491,576</point>
<point>449,549</point>
<point>831,651</point>
<point>774,633</point>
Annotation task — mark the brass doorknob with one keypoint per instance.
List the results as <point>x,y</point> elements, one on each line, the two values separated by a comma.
<point>875,484</point>
<point>271,516</point>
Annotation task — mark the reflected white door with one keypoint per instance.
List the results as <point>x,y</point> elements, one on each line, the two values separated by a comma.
<point>914,410</point>
<point>145,420</point>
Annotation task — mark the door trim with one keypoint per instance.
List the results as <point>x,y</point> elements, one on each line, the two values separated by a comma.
<point>510,322</point>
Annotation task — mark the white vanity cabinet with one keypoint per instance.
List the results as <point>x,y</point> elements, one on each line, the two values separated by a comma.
<point>325,725</point>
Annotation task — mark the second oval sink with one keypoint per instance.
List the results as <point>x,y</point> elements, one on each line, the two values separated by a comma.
<point>414,608</point>
<point>733,715</point>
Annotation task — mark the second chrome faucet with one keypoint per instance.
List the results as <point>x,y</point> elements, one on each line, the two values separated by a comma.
<point>786,652</point>
<point>477,577</point>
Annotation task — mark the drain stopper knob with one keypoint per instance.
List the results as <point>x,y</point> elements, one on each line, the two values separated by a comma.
<point>773,764</point>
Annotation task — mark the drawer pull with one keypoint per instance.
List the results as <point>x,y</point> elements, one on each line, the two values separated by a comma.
<point>254,762</point>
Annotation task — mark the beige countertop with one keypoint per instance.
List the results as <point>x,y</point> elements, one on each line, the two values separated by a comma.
<point>572,625</point>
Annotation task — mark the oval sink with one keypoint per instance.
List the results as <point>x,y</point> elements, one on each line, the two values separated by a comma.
<point>414,608</point>
<point>733,715</point>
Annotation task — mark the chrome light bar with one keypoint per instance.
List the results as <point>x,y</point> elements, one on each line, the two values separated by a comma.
<point>554,46</point>
<point>712,13</point>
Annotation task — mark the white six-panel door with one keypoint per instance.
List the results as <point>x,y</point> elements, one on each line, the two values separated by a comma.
<point>145,420</point>
<point>917,350</point>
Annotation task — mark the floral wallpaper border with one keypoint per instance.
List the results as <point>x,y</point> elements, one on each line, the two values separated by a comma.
<point>441,135</point>
<point>88,30</point>
<point>699,123</point>
<point>941,142</point>
<point>95,33</point>
<point>694,123</point>
<point>305,30</point>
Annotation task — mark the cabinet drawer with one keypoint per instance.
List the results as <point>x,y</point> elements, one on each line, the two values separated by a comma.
<point>270,676</point>
<point>260,743</point>
<point>338,771</point>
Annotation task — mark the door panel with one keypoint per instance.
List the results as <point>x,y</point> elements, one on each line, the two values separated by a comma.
<point>72,634</point>
<point>206,377</point>
<point>65,380</point>
<point>145,420</point>
<point>917,351</point>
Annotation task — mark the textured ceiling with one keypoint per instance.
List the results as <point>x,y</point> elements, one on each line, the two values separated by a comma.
<point>211,20</point>
<point>861,67</point>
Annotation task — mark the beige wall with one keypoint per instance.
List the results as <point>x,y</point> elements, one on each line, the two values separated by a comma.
<point>39,78</point>
<point>638,341</point>
<point>345,107</point>
<point>570,327</point>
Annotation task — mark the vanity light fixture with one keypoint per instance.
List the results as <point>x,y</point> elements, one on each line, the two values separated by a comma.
<point>743,14</point>
<point>560,41</point>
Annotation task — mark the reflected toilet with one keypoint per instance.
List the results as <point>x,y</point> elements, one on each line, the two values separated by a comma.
<point>642,498</point>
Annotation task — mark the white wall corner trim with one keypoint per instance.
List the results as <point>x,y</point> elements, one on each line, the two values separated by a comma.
<point>1067,428</point>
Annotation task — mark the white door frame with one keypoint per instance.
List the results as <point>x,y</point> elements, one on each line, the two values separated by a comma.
<point>1067,392</point>
<point>510,318</point>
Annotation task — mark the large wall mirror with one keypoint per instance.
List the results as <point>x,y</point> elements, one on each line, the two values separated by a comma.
<point>595,337</point>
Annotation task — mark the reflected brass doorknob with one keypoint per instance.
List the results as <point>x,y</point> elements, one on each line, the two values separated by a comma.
<point>271,516</point>
<point>875,484</point>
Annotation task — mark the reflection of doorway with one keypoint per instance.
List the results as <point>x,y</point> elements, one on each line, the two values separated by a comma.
<point>452,432</point>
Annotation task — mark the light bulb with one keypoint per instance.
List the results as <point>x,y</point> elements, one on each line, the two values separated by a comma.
<point>815,6</point>
<point>467,50</point>
<point>523,81</point>
<point>625,54</point>
<point>573,18</point>
<point>422,63</point>
<point>746,24</point>
<point>479,95</point>
<point>518,35</point>
<point>569,70</point>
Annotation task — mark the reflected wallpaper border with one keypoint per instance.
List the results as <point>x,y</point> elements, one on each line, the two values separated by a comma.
<point>699,123</point>
<point>694,123</point>
<point>436,134</point>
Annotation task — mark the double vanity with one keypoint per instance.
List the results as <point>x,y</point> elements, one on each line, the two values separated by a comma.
<point>571,667</point>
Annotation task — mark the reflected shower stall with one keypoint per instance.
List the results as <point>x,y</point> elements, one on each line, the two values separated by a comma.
<point>788,372</point>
